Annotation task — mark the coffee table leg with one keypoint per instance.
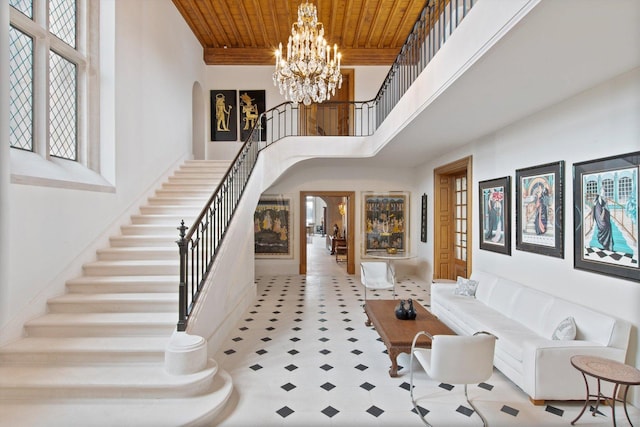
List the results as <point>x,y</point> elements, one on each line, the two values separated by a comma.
<point>393,354</point>
<point>586,402</point>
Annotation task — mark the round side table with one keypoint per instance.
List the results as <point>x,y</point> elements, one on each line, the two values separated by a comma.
<point>610,371</point>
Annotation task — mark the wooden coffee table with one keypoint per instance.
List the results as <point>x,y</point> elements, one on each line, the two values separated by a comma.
<point>398,335</point>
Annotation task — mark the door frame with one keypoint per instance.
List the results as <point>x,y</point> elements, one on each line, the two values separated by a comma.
<point>442,243</point>
<point>351,217</point>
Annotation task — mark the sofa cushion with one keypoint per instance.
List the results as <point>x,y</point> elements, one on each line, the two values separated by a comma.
<point>486,283</point>
<point>530,307</point>
<point>503,295</point>
<point>590,324</point>
<point>465,287</point>
<point>566,330</point>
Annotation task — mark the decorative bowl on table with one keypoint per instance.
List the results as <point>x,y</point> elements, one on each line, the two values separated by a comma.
<point>392,251</point>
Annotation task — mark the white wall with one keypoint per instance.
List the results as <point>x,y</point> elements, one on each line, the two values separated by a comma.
<point>599,122</point>
<point>54,230</point>
<point>367,82</point>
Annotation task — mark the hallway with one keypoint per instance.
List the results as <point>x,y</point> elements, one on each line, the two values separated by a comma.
<point>301,355</point>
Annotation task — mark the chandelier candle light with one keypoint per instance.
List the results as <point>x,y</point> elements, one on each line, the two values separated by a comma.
<point>309,73</point>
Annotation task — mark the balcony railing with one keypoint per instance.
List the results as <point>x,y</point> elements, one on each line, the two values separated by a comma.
<point>200,243</point>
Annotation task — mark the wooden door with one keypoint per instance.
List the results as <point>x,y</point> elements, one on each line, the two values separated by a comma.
<point>452,222</point>
<point>330,118</point>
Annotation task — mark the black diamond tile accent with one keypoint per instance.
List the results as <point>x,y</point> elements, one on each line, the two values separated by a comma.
<point>266,339</point>
<point>270,328</point>
<point>344,312</point>
<point>288,387</point>
<point>375,411</point>
<point>352,339</point>
<point>297,328</point>
<point>553,410</point>
<point>361,367</point>
<point>323,329</point>
<point>422,410</point>
<point>295,339</point>
<point>297,320</point>
<point>323,339</point>
<point>356,352</point>
<point>291,367</point>
<point>255,367</point>
<point>253,312</point>
<point>485,386</point>
<point>285,411</point>
<point>464,410</point>
<point>261,351</point>
<point>445,386</point>
<point>592,409</point>
<point>230,351</point>
<point>329,411</point>
<point>276,312</point>
<point>248,320</point>
<point>322,320</point>
<point>405,385</point>
<point>509,410</point>
<point>367,386</point>
<point>273,320</point>
<point>325,351</point>
<point>244,328</point>
<point>293,352</point>
<point>326,367</point>
<point>346,320</point>
<point>327,386</point>
<point>322,312</point>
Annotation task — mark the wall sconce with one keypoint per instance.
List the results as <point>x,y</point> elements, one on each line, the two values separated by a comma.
<point>342,208</point>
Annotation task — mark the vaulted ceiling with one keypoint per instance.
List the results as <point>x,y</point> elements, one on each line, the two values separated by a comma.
<point>247,32</point>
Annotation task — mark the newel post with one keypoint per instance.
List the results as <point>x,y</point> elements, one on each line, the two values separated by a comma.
<point>182,297</point>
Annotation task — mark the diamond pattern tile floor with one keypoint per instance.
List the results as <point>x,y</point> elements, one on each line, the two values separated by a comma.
<point>302,355</point>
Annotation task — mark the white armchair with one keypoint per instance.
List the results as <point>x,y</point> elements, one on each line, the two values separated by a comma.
<point>455,359</point>
<point>377,275</point>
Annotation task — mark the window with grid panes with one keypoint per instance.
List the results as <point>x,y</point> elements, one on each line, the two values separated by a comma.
<point>460,218</point>
<point>46,65</point>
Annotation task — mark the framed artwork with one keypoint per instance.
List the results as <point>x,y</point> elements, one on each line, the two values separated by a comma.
<point>605,209</point>
<point>423,219</point>
<point>386,222</point>
<point>540,209</point>
<point>252,104</point>
<point>224,122</point>
<point>272,228</point>
<point>495,215</point>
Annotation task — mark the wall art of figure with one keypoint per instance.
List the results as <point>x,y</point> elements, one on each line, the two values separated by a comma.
<point>602,219</point>
<point>252,104</point>
<point>223,115</point>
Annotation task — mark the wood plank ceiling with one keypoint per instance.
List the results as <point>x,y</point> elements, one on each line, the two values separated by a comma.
<point>247,32</point>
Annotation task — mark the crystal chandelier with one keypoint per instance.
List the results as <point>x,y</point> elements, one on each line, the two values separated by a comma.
<point>309,73</point>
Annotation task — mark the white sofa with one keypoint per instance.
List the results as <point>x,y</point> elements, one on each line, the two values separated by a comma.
<point>524,320</point>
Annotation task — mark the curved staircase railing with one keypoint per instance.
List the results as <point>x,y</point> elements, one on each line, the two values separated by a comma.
<point>199,244</point>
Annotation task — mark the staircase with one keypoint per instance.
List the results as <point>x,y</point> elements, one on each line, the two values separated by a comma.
<point>97,357</point>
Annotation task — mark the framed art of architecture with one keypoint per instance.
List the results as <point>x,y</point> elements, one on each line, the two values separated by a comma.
<point>272,228</point>
<point>386,222</point>
<point>224,122</point>
<point>495,215</point>
<point>605,199</point>
<point>252,104</point>
<point>540,209</point>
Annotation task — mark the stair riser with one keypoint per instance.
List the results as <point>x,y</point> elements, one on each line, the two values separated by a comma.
<point>151,255</point>
<point>132,270</point>
<point>149,230</point>
<point>192,202</point>
<point>185,192</point>
<point>105,330</point>
<point>168,220</point>
<point>120,288</point>
<point>186,211</point>
<point>105,391</point>
<point>144,242</point>
<point>81,357</point>
<point>115,307</point>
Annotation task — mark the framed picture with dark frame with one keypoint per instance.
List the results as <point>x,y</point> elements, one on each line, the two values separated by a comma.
<point>540,209</point>
<point>423,219</point>
<point>495,215</point>
<point>385,222</point>
<point>252,104</point>
<point>272,227</point>
<point>605,216</point>
<point>224,115</point>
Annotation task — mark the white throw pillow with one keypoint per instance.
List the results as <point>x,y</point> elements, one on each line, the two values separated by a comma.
<point>566,330</point>
<point>466,287</point>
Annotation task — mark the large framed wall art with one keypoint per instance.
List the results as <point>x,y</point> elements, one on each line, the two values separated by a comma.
<point>224,115</point>
<point>540,209</point>
<point>272,228</point>
<point>386,222</point>
<point>605,199</point>
<point>252,104</point>
<point>495,215</point>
